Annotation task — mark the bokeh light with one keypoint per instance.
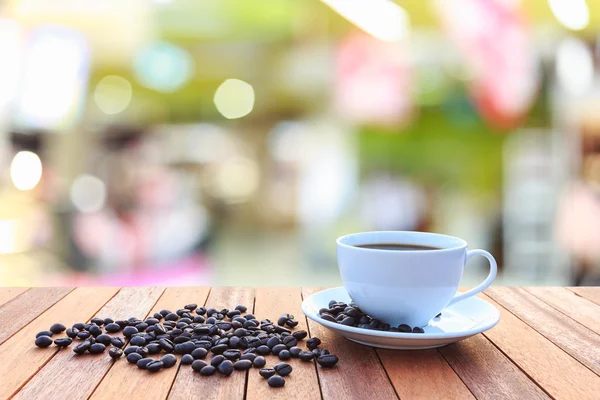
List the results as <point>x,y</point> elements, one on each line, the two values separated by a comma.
<point>112,94</point>
<point>574,66</point>
<point>88,193</point>
<point>574,14</point>
<point>235,180</point>
<point>163,67</point>
<point>234,98</point>
<point>26,170</point>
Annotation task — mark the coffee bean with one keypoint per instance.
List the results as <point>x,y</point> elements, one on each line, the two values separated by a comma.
<point>44,333</point>
<point>137,341</point>
<point>276,381</point>
<point>349,321</point>
<point>327,360</point>
<point>43,341</point>
<point>143,351</point>
<point>249,316</point>
<point>266,372</point>
<point>208,370</point>
<point>292,323</point>
<point>416,329</point>
<point>97,348</point>
<point>141,327</point>
<point>82,348</point>
<point>284,355</point>
<point>277,349</point>
<point>218,349</point>
<point>57,328</point>
<point>112,328</point>
<point>272,342</point>
<point>197,365</point>
<point>169,360</point>
<point>63,342</point>
<point>233,313</point>
<point>104,339</point>
<point>263,350</point>
<point>153,348</point>
<point>143,362</point>
<point>115,352</point>
<point>295,351</point>
<point>129,331</point>
<point>171,317</point>
<point>299,335</point>
<point>226,367</point>
<point>242,365</point>
<point>187,359</point>
<point>232,354</point>
<point>201,311</point>
<point>97,321</point>
<point>199,353</point>
<point>404,328</point>
<point>282,320</point>
<point>216,360</point>
<point>283,369</point>
<point>155,366</point>
<point>241,308</point>
<point>248,356</point>
<point>313,343</point>
<point>290,341</point>
<point>191,306</point>
<point>328,317</point>
<point>185,348</point>
<point>166,345</point>
<point>306,355</point>
<point>131,349</point>
<point>117,341</point>
<point>72,332</point>
<point>133,358</point>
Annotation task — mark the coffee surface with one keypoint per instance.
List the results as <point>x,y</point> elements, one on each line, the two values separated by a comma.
<point>397,247</point>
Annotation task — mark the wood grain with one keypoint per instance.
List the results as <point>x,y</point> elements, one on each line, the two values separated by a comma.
<point>9,293</point>
<point>558,373</point>
<point>575,339</point>
<point>124,380</point>
<point>422,374</point>
<point>189,384</point>
<point>76,376</point>
<point>588,292</point>
<point>487,372</point>
<point>21,359</point>
<point>358,375</point>
<point>578,308</point>
<point>18,312</point>
<point>302,383</point>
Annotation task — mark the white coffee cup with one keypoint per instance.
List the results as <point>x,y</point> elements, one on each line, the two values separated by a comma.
<point>406,287</point>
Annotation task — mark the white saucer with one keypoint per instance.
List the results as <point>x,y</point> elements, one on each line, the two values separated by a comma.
<point>460,321</point>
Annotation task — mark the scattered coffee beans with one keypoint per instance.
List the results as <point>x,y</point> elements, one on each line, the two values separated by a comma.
<point>237,340</point>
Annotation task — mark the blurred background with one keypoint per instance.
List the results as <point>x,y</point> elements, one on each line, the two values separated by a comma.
<point>229,142</point>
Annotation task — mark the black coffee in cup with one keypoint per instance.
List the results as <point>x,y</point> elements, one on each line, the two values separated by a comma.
<point>397,247</point>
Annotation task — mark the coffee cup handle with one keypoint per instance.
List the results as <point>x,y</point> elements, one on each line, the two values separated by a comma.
<point>482,286</point>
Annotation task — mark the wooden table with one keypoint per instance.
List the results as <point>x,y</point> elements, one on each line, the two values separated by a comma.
<point>547,345</point>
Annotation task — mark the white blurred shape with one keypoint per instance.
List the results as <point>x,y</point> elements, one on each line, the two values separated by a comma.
<point>286,141</point>
<point>54,73</point>
<point>88,193</point>
<point>26,170</point>
<point>112,94</point>
<point>10,54</point>
<point>234,98</point>
<point>574,66</point>
<point>236,180</point>
<point>163,67</point>
<point>382,19</point>
<point>574,14</point>
<point>7,236</point>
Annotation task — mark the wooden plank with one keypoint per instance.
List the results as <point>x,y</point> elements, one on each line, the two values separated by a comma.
<point>422,374</point>
<point>189,384</point>
<point>358,375</point>
<point>125,380</point>
<point>21,359</point>
<point>558,373</point>
<point>575,339</point>
<point>76,377</point>
<point>9,293</point>
<point>578,308</point>
<point>21,310</point>
<point>303,382</point>
<point>487,372</point>
<point>588,292</point>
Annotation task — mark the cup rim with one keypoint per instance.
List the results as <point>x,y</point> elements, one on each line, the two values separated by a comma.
<point>463,243</point>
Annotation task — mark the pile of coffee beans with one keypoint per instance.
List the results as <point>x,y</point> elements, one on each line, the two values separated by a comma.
<point>350,315</point>
<point>236,341</point>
